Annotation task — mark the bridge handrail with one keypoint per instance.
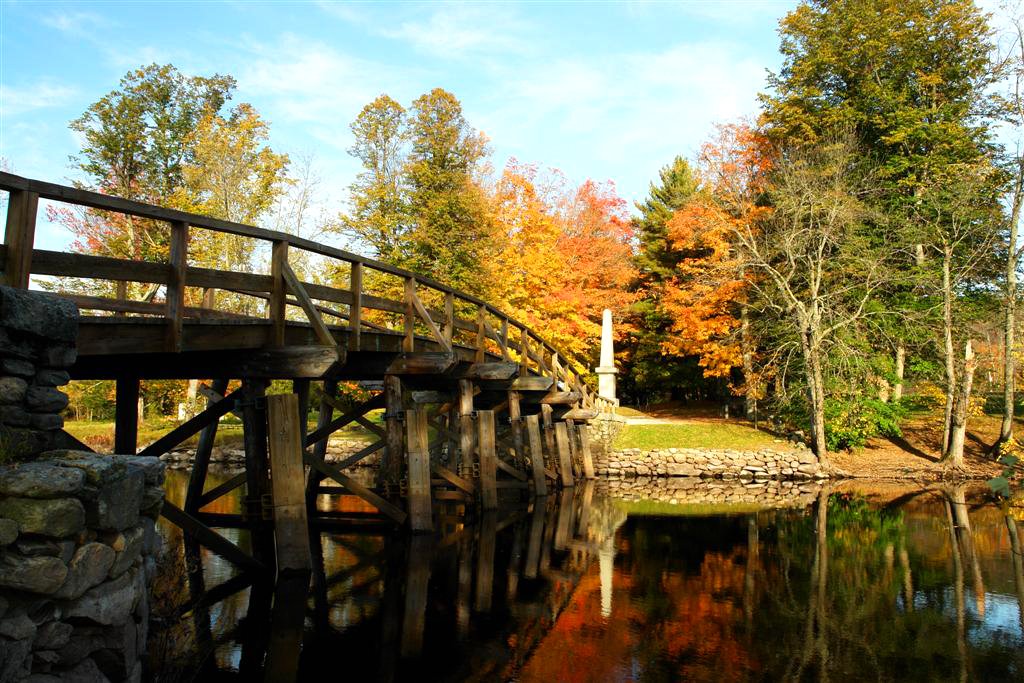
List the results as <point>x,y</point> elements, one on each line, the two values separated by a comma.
<point>19,253</point>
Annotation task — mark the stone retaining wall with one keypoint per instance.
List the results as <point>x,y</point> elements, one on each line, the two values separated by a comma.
<point>37,345</point>
<point>78,546</point>
<point>230,456</point>
<point>755,465</point>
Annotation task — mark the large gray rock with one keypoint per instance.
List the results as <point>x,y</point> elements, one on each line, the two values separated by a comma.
<point>116,505</point>
<point>46,400</point>
<point>41,480</point>
<point>60,356</point>
<point>47,422</point>
<point>17,367</point>
<point>12,390</point>
<point>152,468</point>
<point>86,671</point>
<point>89,567</point>
<point>109,603</point>
<point>8,531</point>
<point>57,518</point>
<point>33,574</point>
<point>14,416</point>
<point>98,469</point>
<point>40,314</point>
<point>15,659</point>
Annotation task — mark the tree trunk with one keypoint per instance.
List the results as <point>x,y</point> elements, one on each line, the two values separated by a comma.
<point>1010,306</point>
<point>958,428</point>
<point>750,390</point>
<point>815,394</point>
<point>947,336</point>
<point>901,359</point>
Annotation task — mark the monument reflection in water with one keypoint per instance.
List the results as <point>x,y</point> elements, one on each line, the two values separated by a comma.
<point>653,583</point>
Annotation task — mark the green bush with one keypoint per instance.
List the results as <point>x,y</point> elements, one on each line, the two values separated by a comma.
<point>851,422</point>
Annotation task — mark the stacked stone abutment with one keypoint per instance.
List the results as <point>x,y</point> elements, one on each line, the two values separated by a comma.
<point>749,465</point>
<point>78,538</point>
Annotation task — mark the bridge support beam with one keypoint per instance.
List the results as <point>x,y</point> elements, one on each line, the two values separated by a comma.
<point>393,458</point>
<point>564,455</point>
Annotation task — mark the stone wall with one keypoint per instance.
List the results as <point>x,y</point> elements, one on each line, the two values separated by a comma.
<point>753,465</point>
<point>78,546</point>
<point>37,346</point>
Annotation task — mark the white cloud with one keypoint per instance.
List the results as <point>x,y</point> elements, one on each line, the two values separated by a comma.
<point>75,23</point>
<point>15,101</point>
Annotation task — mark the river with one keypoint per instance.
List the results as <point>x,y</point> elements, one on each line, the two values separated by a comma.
<point>652,582</point>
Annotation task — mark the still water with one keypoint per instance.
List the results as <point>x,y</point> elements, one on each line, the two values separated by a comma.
<point>866,581</point>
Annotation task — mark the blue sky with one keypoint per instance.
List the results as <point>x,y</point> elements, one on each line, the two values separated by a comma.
<point>610,91</point>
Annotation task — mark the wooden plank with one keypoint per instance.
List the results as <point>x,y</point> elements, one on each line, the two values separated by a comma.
<point>287,480</point>
<point>220,490</point>
<point>276,309</point>
<point>540,487</point>
<point>22,208</point>
<point>555,398</point>
<point>204,449</point>
<point>209,538</point>
<point>486,547</point>
<point>449,317</point>
<point>488,459</point>
<point>417,581</point>
<point>431,327</point>
<point>452,478</point>
<point>488,371</point>
<point>418,457</point>
<point>588,458</point>
<point>176,284</point>
<point>533,383</point>
<point>515,417</point>
<point>288,362</point>
<point>481,333</point>
<point>322,333</point>
<point>390,470</point>
<point>564,456</point>
<point>580,414</point>
<point>509,469</point>
<point>190,427</point>
<point>101,267</point>
<point>355,311</point>
<point>357,489</point>
<point>126,416</point>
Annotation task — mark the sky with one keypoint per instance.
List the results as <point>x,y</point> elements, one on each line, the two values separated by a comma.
<point>606,91</point>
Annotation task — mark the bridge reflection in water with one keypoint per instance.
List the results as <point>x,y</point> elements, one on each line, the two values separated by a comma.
<point>585,586</point>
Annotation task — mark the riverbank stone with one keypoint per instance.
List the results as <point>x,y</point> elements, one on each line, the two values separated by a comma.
<point>88,567</point>
<point>8,531</point>
<point>109,603</point>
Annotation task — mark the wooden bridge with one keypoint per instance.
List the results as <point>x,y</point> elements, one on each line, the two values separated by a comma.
<point>474,401</point>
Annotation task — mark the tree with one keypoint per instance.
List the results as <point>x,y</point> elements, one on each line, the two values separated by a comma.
<point>379,210</point>
<point>655,263</point>
<point>810,262</point>
<point>450,233</point>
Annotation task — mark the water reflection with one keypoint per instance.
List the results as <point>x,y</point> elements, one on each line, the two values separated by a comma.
<point>847,583</point>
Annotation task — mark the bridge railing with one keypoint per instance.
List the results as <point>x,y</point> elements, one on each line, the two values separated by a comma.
<point>427,310</point>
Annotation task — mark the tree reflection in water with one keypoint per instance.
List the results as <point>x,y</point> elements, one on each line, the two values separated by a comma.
<point>579,587</point>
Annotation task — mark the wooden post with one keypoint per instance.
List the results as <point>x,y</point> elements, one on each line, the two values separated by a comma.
<point>201,461</point>
<point>533,547</point>
<point>488,454</point>
<point>355,310</point>
<point>209,298</point>
<point>20,236</point>
<point>524,353</point>
<point>549,436</point>
<point>466,436</point>
<point>563,528</point>
<point>278,296</point>
<point>481,334</point>
<point>418,449</point>
<point>126,416</point>
<point>176,284</point>
<point>291,534</point>
<point>540,484</point>
<point>570,431</point>
<point>391,459</point>
<point>121,294</point>
<point>301,389</point>
<point>588,458</point>
<point>564,462</point>
<point>464,590</point>
<point>254,436</point>
<point>515,417</point>
<point>409,341</point>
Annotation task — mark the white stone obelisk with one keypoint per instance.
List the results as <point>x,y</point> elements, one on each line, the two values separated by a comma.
<point>606,371</point>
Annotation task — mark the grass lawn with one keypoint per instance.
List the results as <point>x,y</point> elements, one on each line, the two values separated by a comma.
<point>100,434</point>
<point>697,435</point>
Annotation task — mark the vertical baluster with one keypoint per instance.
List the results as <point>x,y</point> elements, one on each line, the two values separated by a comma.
<point>21,232</point>
<point>355,310</point>
<point>176,284</point>
<point>409,342</point>
<point>278,260</point>
<point>449,317</point>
